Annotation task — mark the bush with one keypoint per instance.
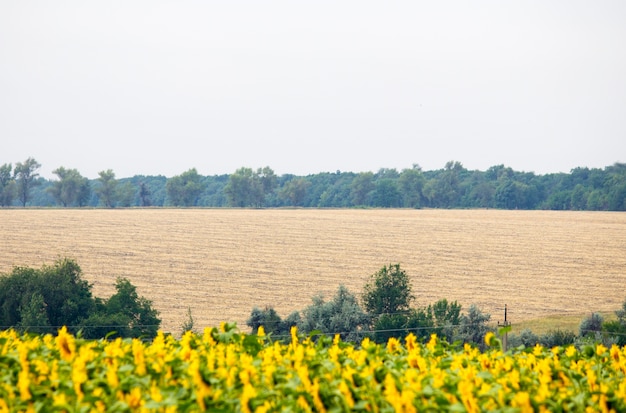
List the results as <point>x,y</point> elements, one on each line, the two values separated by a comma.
<point>474,327</point>
<point>341,315</point>
<point>557,337</point>
<point>525,338</point>
<point>43,300</point>
<point>267,318</point>
<point>591,325</point>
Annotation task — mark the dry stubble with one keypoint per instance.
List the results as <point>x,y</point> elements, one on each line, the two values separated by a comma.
<point>222,262</point>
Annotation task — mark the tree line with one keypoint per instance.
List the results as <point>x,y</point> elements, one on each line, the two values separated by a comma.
<point>385,309</point>
<point>452,186</point>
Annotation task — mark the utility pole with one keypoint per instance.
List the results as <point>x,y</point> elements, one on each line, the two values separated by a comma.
<point>505,325</point>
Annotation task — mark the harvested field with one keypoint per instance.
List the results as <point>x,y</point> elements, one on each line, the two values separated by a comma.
<point>222,262</point>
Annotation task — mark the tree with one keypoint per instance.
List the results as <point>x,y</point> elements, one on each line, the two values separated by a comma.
<point>341,315</point>
<point>241,188</point>
<point>444,190</point>
<point>70,189</point>
<point>25,176</point>
<point>144,195</point>
<point>411,183</point>
<point>107,190</point>
<point>268,318</point>
<point>269,181</point>
<point>7,185</point>
<point>388,291</point>
<point>66,296</point>
<point>184,189</point>
<point>125,194</point>
<point>189,323</point>
<point>361,187</point>
<point>248,188</point>
<point>294,191</point>
<point>33,316</point>
<point>446,317</point>
<point>386,194</point>
<point>141,319</point>
<point>387,298</point>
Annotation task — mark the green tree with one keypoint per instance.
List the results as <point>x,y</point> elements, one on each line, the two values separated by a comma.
<point>66,296</point>
<point>411,183</point>
<point>184,189</point>
<point>33,316</point>
<point>447,318</point>
<point>388,291</point>
<point>25,175</point>
<point>141,318</point>
<point>70,189</point>
<point>188,324</point>
<point>361,187</point>
<point>7,185</point>
<point>251,188</point>
<point>244,188</point>
<point>341,315</point>
<point>268,318</point>
<point>386,194</point>
<point>125,194</point>
<point>294,191</point>
<point>107,190</point>
<point>445,190</point>
<point>144,195</point>
<point>387,300</point>
<point>268,181</point>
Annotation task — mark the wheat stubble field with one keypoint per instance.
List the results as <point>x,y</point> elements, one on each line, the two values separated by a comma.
<point>222,262</point>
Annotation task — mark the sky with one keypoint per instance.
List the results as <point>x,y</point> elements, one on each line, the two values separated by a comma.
<point>156,87</point>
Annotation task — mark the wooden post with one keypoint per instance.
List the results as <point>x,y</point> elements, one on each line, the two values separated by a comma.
<point>506,333</point>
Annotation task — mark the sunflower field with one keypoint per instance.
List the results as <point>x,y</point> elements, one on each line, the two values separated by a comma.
<point>224,370</point>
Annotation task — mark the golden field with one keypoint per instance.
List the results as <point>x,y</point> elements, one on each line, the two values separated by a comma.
<point>222,262</point>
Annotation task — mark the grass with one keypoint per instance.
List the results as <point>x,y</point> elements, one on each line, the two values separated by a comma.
<point>222,262</point>
<point>553,322</point>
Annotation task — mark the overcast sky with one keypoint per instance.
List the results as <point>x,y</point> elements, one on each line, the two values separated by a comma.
<point>158,87</point>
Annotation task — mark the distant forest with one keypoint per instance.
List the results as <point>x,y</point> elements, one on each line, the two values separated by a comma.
<point>453,186</point>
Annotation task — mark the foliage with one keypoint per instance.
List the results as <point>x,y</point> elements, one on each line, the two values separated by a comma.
<point>66,297</point>
<point>474,327</point>
<point>25,176</point>
<point>40,300</point>
<point>591,325</point>
<point>223,370</point>
<point>294,191</point>
<point>71,189</point>
<point>526,338</point>
<point>184,189</point>
<point>8,187</point>
<point>248,188</point>
<point>557,337</point>
<point>616,329</point>
<point>188,324</point>
<point>342,315</point>
<point>267,318</point>
<point>388,291</point>
<point>107,190</point>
